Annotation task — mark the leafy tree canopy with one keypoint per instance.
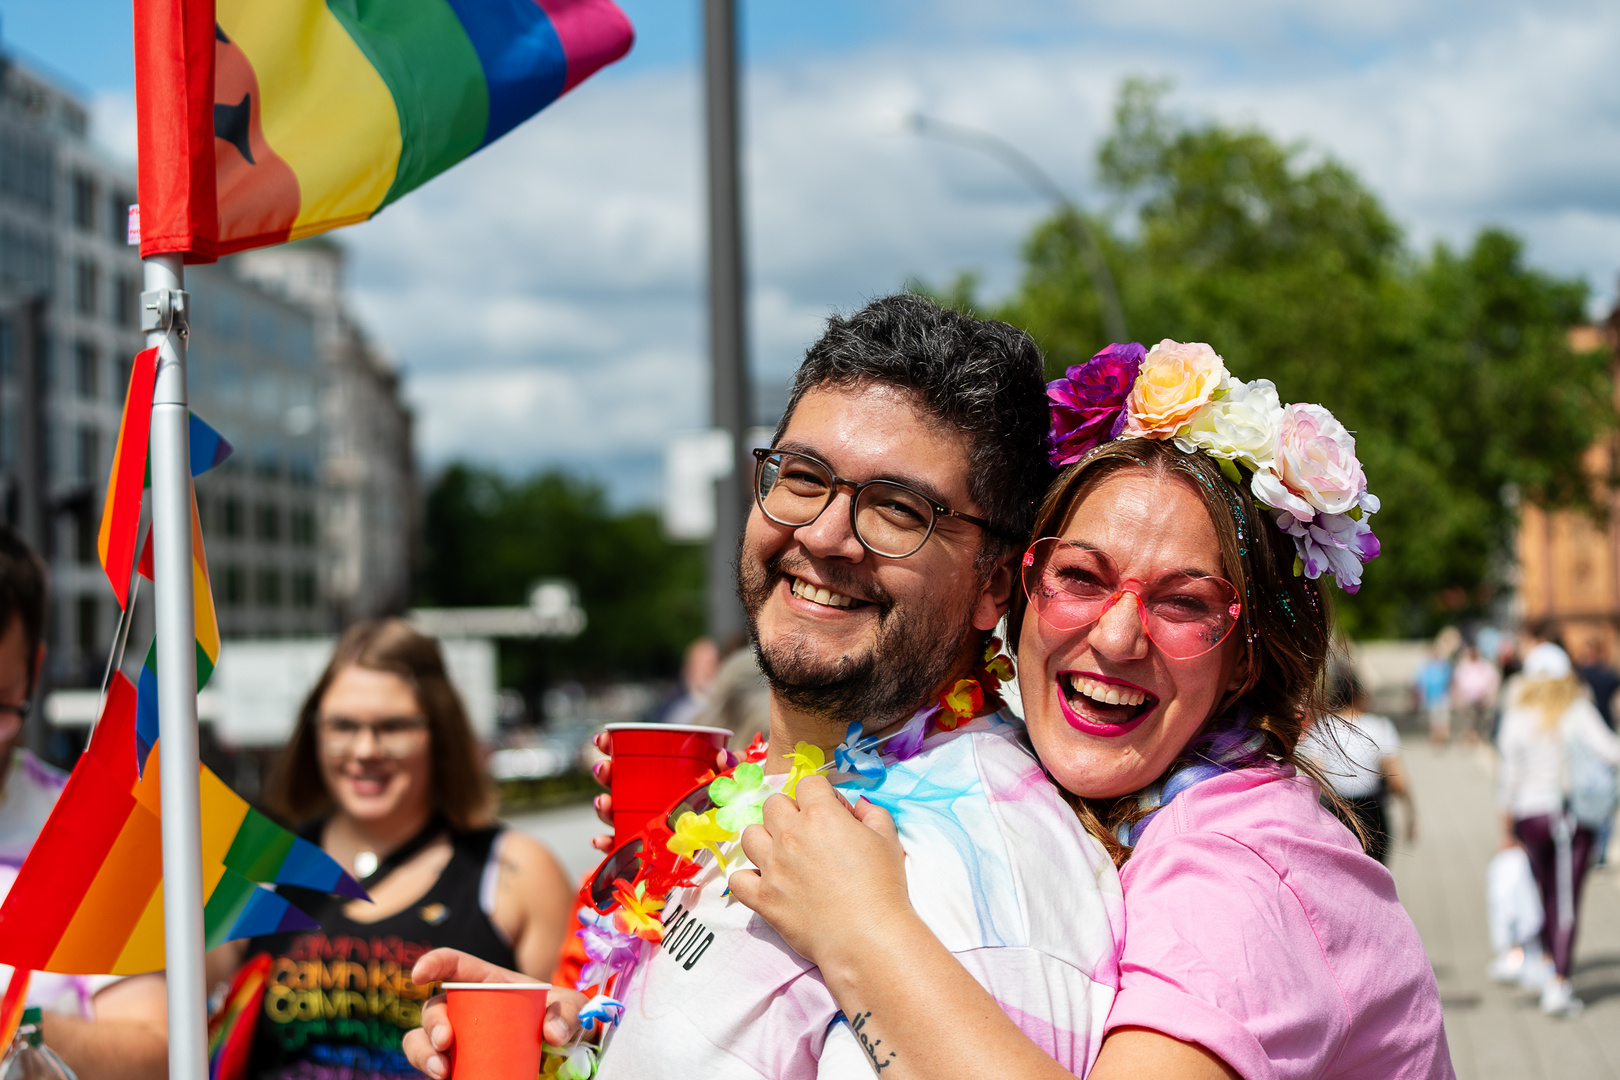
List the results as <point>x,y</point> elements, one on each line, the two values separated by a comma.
<point>488,538</point>
<point>1453,368</point>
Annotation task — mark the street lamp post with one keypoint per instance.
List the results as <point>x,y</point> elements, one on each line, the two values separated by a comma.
<point>1040,180</point>
<point>727,324</point>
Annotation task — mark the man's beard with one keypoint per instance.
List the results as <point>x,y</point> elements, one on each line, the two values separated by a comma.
<point>914,652</point>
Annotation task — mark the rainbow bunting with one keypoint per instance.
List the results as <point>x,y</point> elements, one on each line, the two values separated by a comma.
<point>121,513</point>
<point>89,898</point>
<point>326,111</point>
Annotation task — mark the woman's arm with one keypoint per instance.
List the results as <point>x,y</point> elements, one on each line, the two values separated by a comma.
<point>833,884</point>
<point>129,1036</point>
<point>532,903</point>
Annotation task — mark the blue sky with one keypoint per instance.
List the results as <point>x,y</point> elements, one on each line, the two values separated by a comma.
<point>545,298</point>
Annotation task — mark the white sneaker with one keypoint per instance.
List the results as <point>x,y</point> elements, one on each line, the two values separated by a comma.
<point>1506,967</point>
<point>1535,972</point>
<point>1558,999</point>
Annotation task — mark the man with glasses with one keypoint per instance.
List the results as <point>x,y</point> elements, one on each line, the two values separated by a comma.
<point>880,554</point>
<point>128,1036</point>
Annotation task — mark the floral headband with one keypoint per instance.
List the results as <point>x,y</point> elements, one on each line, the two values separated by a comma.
<point>1302,462</point>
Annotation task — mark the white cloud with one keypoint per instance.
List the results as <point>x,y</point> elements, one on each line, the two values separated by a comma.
<point>546,297</point>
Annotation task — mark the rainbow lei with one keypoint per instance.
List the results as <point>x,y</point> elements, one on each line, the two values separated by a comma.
<point>1301,462</point>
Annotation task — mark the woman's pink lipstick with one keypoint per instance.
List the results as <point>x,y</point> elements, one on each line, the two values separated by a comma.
<point>1092,727</point>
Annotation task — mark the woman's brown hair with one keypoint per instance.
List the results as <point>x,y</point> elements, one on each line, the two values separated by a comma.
<point>1283,636</point>
<point>462,791</point>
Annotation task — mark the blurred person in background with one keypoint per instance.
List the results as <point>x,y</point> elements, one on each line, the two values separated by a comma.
<point>383,772</point>
<point>1549,729</point>
<point>1600,676</point>
<point>1359,754</point>
<point>698,668</point>
<point>100,1026</point>
<point>1474,686</point>
<point>1432,685</point>
<point>739,699</point>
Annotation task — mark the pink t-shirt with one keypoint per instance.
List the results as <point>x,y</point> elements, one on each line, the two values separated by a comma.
<point>1257,928</point>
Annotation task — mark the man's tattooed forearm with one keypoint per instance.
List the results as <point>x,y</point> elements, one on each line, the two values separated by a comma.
<point>869,1044</point>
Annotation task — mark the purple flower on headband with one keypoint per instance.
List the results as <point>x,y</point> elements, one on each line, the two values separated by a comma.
<point>1088,403</point>
<point>1331,543</point>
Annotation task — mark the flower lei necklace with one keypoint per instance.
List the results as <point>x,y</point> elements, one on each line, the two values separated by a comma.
<point>1301,461</point>
<point>614,942</point>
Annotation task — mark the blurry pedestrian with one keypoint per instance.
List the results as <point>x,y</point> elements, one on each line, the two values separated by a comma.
<point>1474,685</point>
<point>1603,680</point>
<point>101,1026</point>
<point>1551,738</point>
<point>1600,675</point>
<point>383,772</point>
<point>1359,754</point>
<point>699,665</point>
<point>740,699</point>
<point>1432,685</point>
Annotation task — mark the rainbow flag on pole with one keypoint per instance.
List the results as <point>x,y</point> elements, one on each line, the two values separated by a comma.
<point>89,898</point>
<point>326,111</point>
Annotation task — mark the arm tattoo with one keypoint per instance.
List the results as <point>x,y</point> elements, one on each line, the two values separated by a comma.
<point>870,1045</point>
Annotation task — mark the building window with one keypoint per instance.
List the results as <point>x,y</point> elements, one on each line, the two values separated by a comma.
<point>302,527</point>
<point>232,515</point>
<point>303,589</point>
<point>118,204</point>
<point>84,202</point>
<point>235,586</point>
<point>267,523</point>
<point>84,538</point>
<point>87,453</point>
<point>87,364</point>
<point>269,587</point>
<point>121,373</point>
<point>86,283</point>
<point>88,628</point>
<point>127,301</point>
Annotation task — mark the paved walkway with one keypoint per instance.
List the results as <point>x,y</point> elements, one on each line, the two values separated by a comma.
<point>1497,1031</point>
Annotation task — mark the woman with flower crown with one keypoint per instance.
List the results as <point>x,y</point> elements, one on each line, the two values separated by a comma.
<point>1170,643</point>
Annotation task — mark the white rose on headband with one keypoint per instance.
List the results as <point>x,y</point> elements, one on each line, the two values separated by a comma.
<point>1175,380</point>
<point>1241,425</point>
<point>1315,466</point>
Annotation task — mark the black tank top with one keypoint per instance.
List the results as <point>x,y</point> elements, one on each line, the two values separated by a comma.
<point>339,1000</point>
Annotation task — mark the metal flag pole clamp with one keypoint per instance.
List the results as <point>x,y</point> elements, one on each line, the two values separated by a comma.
<point>164,318</point>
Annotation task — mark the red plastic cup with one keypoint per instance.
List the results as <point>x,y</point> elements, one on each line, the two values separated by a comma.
<point>655,764</point>
<point>497,1028</point>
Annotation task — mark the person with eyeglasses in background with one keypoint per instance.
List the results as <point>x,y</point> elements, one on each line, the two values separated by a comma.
<point>878,558</point>
<point>101,1026</point>
<point>383,772</point>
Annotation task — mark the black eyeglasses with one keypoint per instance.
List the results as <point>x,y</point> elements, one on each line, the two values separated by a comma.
<point>625,861</point>
<point>888,518</point>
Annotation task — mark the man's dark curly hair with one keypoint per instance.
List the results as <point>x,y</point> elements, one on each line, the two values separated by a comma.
<point>982,377</point>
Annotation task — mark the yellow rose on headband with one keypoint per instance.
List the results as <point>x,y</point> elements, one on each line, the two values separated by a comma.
<point>1175,381</point>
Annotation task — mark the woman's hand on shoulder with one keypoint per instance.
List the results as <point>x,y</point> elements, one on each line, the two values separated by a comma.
<point>533,902</point>
<point>830,876</point>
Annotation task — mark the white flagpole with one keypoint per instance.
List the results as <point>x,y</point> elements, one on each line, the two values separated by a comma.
<point>165,318</point>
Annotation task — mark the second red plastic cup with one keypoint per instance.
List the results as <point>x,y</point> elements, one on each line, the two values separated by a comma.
<point>655,764</point>
<point>497,1028</point>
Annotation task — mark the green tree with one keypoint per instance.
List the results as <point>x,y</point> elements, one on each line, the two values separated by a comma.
<point>488,538</point>
<point>1453,368</point>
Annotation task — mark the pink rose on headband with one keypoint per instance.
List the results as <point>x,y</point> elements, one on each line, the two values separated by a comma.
<point>1088,403</point>
<point>1315,467</point>
<point>1176,380</point>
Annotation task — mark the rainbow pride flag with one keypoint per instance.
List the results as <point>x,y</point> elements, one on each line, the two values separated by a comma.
<point>121,514</point>
<point>89,898</point>
<point>326,111</point>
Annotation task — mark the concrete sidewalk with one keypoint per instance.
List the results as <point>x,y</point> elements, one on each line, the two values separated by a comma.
<point>1497,1031</point>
